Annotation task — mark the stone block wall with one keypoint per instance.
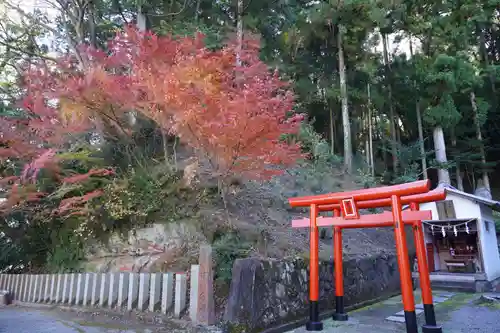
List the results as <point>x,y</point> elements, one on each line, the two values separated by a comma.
<point>266,293</point>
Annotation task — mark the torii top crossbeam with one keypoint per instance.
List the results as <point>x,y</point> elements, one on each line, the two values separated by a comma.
<point>434,195</point>
<point>349,203</point>
<point>418,187</point>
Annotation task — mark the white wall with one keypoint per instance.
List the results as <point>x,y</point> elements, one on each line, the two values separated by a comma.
<point>489,244</point>
<point>464,208</point>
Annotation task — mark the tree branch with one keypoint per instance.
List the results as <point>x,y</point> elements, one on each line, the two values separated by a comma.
<point>21,51</point>
<point>71,43</point>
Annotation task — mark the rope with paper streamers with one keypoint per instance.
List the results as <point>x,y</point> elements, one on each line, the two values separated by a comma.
<point>454,227</point>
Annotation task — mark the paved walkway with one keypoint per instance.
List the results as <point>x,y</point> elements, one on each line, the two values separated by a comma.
<point>18,319</point>
<point>456,312</point>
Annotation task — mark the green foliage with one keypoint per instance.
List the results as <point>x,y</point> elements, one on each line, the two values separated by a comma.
<point>228,247</point>
<point>315,145</point>
<point>135,195</point>
<point>11,256</point>
<point>69,253</point>
<point>444,112</point>
<point>140,196</point>
<point>36,236</point>
<point>316,174</point>
<point>496,217</point>
<point>213,37</point>
<point>366,179</point>
<point>410,173</point>
<point>46,245</point>
<point>409,157</point>
<point>482,110</point>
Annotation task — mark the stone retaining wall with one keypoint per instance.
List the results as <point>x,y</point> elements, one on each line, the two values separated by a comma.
<point>267,293</point>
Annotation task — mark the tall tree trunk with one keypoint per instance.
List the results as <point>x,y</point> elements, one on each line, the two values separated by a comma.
<point>419,126</point>
<point>440,148</point>
<point>473,175</point>
<point>239,31</point>
<point>141,19</point>
<point>485,59</point>
<point>345,106</point>
<point>338,146</point>
<point>239,47</point>
<point>92,26</point>
<point>370,131</point>
<point>142,27</point>
<point>421,140</point>
<point>365,137</point>
<point>332,132</point>
<point>331,125</point>
<point>392,119</point>
<point>460,181</point>
<point>380,138</point>
<point>479,136</point>
<point>397,127</point>
<point>165,146</point>
<point>197,11</point>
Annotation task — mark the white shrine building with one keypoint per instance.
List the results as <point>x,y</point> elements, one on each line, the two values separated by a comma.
<point>461,242</point>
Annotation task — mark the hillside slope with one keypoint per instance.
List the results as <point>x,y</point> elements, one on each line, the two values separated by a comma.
<point>258,224</point>
<point>265,207</point>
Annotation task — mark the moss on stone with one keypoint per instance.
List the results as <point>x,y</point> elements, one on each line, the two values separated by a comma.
<point>491,304</point>
<point>236,328</point>
<point>444,309</point>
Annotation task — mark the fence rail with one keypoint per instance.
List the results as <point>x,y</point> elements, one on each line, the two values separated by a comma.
<point>164,292</point>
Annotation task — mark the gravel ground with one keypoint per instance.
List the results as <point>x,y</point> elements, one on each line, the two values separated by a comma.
<point>472,318</point>
<point>462,313</point>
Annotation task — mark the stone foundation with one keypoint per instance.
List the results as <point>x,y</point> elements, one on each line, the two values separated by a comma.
<point>267,293</point>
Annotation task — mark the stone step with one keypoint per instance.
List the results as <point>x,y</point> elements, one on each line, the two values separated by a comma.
<point>454,286</point>
<point>402,312</point>
<point>443,294</point>
<point>437,299</point>
<point>441,287</point>
<point>397,319</point>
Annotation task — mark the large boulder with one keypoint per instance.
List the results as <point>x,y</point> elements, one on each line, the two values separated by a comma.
<point>157,247</point>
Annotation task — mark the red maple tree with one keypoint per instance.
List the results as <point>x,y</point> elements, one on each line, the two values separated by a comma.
<point>236,116</point>
<point>34,139</point>
<point>233,116</point>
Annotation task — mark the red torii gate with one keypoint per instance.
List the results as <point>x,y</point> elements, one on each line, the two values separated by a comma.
<point>348,204</point>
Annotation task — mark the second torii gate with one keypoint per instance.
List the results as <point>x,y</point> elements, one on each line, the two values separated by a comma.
<point>346,215</point>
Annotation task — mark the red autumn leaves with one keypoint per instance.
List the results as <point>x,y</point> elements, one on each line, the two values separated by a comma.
<point>232,116</point>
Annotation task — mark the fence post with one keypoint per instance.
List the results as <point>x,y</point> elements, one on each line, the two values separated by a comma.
<point>180,294</point>
<point>205,298</point>
<point>167,293</point>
